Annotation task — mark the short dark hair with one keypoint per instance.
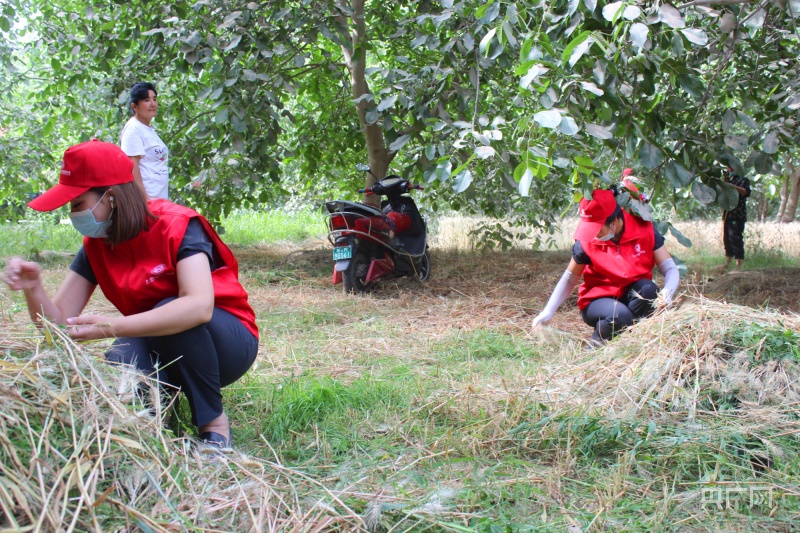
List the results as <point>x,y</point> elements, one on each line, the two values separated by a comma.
<point>140,91</point>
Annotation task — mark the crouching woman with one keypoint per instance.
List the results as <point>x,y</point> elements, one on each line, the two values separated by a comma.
<point>615,253</point>
<point>163,267</point>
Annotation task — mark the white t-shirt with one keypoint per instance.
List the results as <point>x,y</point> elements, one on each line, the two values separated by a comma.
<point>138,139</point>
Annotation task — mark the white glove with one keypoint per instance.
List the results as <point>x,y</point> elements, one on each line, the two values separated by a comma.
<point>671,279</point>
<point>541,319</point>
<point>560,293</point>
<point>665,297</point>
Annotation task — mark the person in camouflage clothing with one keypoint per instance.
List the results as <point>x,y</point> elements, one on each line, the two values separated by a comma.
<point>734,220</point>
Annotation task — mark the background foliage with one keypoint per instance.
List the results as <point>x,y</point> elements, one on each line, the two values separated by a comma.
<point>510,109</point>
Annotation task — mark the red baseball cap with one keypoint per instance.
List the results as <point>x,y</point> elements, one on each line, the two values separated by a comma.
<point>594,214</point>
<point>86,166</point>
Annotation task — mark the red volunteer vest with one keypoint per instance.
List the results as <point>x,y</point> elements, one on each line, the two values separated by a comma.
<point>614,267</point>
<point>137,274</point>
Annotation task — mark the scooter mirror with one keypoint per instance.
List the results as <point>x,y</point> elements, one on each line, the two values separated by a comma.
<point>362,167</point>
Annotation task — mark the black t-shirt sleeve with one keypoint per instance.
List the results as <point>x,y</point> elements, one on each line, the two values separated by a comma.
<point>658,239</point>
<point>580,257</point>
<point>80,265</point>
<point>196,241</point>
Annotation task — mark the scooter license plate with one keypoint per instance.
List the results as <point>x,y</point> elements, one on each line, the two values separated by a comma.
<point>342,252</point>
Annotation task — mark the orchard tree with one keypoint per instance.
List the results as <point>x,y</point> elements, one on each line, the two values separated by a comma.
<point>511,109</point>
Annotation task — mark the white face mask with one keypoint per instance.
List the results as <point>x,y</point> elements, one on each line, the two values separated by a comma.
<point>608,236</point>
<point>87,225</point>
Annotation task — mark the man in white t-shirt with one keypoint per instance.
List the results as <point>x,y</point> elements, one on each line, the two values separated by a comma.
<point>143,145</point>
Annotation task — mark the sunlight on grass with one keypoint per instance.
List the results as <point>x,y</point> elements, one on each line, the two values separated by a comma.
<point>41,232</point>
<point>263,227</point>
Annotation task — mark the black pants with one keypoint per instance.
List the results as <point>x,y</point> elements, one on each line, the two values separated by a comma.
<point>609,316</point>
<point>199,361</point>
<point>733,238</point>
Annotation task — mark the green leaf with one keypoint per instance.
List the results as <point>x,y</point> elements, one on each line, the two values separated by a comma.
<point>548,119</point>
<point>568,126</point>
<point>483,48</point>
<point>771,143</point>
<point>430,152</point>
<point>443,170</point>
<point>598,132</point>
<point>680,237</point>
<point>728,120</point>
<point>484,152</point>
<point>386,103</point>
<point>737,142</point>
<point>610,10</point>
<point>727,195</point>
<point>399,143</point>
<point>650,156</point>
<point>233,44</point>
<point>48,127</point>
<point>222,116</point>
<point>763,163</point>
<point>677,175</point>
<point>692,85</point>
<point>462,181</point>
<point>747,119</point>
<point>703,193</point>
<point>566,56</point>
<point>641,209</point>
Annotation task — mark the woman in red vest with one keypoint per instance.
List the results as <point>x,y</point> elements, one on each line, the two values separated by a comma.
<point>615,253</point>
<point>163,267</point>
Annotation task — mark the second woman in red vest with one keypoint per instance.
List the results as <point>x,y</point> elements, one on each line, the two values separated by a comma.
<point>163,267</point>
<point>615,253</point>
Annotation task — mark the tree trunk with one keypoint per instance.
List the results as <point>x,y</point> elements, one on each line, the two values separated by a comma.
<point>378,155</point>
<point>784,198</point>
<point>793,185</point>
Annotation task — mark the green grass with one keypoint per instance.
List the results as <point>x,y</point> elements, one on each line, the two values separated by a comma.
<point>29,238</point>
<point>486,344</point>
<point>41,232</point>
<point>754,260</point>
<point>262,227</point>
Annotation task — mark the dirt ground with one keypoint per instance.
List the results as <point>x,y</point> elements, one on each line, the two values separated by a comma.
<point>778,288</point>
<point>505,290</point>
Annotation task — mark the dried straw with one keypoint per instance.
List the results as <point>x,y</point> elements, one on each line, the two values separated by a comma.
<point>79,454</point>
<point>680,361</point>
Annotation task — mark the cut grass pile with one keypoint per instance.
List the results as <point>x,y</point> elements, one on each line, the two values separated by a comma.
<point>81,453</point>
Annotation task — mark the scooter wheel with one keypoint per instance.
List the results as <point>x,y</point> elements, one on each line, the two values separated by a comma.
<point>354,278</point>
<point>423,266</point>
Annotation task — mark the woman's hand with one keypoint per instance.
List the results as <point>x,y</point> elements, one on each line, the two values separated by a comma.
<point>90,327</point>
<point>21,275</point>
<point>540,320</point>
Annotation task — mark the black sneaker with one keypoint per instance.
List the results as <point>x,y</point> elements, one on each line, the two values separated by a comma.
<point>211,438</point>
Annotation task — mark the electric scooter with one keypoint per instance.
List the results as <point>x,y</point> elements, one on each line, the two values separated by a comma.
<point>370,243</point>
